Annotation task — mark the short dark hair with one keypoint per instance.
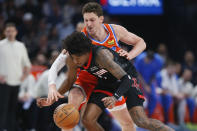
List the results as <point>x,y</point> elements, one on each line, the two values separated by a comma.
<point>93,7</point>
<point>77,44</point>
<point>10,24</point>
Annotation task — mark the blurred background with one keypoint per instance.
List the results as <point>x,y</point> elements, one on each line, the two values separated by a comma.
<point>169,28</point>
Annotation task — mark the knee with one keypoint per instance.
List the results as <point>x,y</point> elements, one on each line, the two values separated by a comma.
<point>76,92</point>
<point>87,121</point>
<point>76,96</point>
<point>127,123</point>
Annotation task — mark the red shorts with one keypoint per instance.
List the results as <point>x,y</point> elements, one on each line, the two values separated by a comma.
<point>88,82</point>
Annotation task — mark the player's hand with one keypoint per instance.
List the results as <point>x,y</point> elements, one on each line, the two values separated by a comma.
<point>109,102</point>
<point>41,102</point>
<point>53,94</point>
<point>125,54</point>
<point>64,51</point>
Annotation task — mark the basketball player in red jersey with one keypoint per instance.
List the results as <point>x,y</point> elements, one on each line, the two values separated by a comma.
<point>106,35</point>
<point>116,76</point>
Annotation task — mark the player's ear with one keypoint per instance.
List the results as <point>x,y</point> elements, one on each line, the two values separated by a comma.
<point>101,19</point>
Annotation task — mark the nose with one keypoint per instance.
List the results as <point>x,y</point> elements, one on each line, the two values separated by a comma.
<point>88,23</point>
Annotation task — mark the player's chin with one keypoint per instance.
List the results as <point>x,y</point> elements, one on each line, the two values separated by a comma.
<point>79,65</point>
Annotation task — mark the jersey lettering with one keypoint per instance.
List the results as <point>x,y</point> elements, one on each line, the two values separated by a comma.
<point>100,73</point>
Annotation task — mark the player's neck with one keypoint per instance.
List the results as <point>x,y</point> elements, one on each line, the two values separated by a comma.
<point>100,34</point>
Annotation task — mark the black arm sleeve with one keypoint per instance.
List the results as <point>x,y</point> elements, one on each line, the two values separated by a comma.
<point>126,83</point>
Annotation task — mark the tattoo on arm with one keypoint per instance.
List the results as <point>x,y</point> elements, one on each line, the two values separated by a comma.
<point>139,117</point>
<point>104,59</point>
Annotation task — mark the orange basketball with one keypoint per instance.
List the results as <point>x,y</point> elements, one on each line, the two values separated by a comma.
<point>66,116</point>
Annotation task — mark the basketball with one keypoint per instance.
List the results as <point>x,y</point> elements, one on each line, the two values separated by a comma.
<point>66,116</point>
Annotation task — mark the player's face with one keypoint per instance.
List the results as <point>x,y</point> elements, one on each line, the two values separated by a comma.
<point>10,33</point>
<point>80,60</point>
<point>92,22</point>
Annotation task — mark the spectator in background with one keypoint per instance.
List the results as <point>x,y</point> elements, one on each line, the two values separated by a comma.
<point>27,24</point>
<point>39,65</point>
<point>186,100</point>
<point>43,44</point>
<point>43,27</point>
<point>15,67</point>
<point>162,51</point>
<point>54,42</point>
<point>178,69</point>
<point>80,26</point>
<point>168,83</point>
<point>194,94</point>
<point>10,8</point>
<point>189,62</point>
<point>55,17</point>
<point>26,112</point>
<point>31,7</point>
<point>30,43</point>
<point>2,19</point>
<point>148,64</point>
<point>65,28</point>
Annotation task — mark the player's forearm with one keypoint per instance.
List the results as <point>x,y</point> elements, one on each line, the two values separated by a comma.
<point>66,85</point>
<point>139,47</point>
<point>125,85</point>
<point>58,64</point>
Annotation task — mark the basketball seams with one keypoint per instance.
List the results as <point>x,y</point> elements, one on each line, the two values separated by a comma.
<point>66,115</point>
<point>56,110</point>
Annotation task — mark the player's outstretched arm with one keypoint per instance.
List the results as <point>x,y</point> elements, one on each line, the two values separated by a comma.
<point>53,94</point>
<point>57,65</point>
<point>67,84</point>
<point>71,76</point>
<point>129,38</point>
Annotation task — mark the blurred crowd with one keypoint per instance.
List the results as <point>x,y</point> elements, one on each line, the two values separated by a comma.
<point>170,86</point>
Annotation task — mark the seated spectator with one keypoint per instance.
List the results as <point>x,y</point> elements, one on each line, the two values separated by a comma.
<point>186,102</point>
<point>168,83</point>
<point>26,112</point>
<point>148,64</point>
<point>189,62</point>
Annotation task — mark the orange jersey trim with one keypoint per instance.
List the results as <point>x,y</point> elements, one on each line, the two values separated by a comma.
<point>110,41</point>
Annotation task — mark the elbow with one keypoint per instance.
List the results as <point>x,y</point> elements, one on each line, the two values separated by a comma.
<point>143,44</point>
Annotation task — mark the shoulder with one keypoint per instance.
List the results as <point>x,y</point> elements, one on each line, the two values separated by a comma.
<point>104,57</point>
<point>159,58</point>
<point>163,73</point>
<point>45,73</point>
<point>117,27</point>
<point>20,44</point>
<point>103,52</point>
<point>140,57</point>
<point>2,42</point>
